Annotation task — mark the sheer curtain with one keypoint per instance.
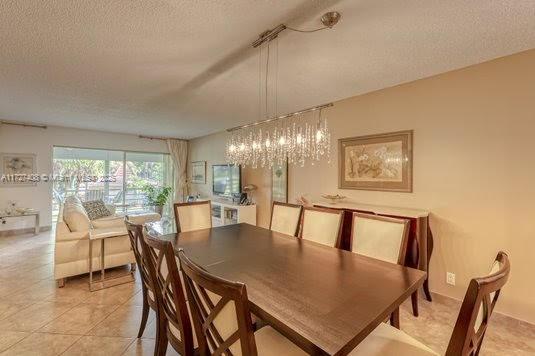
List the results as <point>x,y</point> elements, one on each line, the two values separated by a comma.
<point>178,149</point>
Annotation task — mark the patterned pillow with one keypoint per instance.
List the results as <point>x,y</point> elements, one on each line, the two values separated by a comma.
<point>96,209</point>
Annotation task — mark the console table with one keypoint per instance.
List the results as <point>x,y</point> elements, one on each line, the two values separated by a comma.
<point>4,215</point>
<point>420,246</point>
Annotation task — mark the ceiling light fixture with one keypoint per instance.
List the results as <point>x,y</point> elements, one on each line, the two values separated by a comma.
<point>296,137</point>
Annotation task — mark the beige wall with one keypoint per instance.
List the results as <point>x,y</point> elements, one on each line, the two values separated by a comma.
<point>473,168</point>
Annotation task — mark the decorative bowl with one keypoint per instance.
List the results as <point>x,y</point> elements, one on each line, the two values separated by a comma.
<point>333,198</point>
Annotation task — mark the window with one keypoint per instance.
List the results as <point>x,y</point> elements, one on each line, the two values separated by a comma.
<point>116,177</point>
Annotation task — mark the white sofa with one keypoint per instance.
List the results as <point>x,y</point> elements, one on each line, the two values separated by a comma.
<point>71,255</point>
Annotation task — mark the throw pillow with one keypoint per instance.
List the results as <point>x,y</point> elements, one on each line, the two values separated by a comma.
<point>96,209</point>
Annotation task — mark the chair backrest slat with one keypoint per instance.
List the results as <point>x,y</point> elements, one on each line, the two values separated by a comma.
<point>380,237</point>
<point>322,225</point>
<point>164,273</point>
<point>477,308</point>
<point>220,312</point>
<point>135,234</point>
<point>193,215</point>
<point>285,218</point>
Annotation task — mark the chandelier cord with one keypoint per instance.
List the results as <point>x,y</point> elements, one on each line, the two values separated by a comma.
<point>277,77</point>
<point>267,79</point>
<point>307,31</point>
<point>260,84</point>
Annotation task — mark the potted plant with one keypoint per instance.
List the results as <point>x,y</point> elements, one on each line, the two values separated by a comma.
<point>157,196</point>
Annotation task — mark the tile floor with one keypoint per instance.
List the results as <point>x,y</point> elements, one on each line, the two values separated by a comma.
<point>36,318</point>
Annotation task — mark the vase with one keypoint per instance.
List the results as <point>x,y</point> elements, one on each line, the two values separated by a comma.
<point>158,209</point>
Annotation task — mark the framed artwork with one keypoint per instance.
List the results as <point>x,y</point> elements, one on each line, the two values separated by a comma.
<point>198,172</point>
<point>376,162</point>
<point>279,183</point>
<point>17,169</point>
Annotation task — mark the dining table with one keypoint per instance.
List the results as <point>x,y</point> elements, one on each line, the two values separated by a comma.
<point>324,299</point>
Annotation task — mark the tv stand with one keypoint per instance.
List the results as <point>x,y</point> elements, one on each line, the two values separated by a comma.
<point>228,213</point>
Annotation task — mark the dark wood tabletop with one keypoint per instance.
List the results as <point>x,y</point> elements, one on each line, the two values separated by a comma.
<point>324,299</point>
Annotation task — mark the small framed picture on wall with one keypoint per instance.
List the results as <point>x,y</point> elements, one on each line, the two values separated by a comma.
<point>17,169</point>
<point>279,183</point>
<point>198,172</point>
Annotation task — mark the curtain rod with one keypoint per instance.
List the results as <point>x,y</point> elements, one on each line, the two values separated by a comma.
<point>23,124</point>
<point>160,138</point>
<point>314,108</point>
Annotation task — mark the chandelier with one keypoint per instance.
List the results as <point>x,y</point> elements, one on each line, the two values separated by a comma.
<point>296,138</point>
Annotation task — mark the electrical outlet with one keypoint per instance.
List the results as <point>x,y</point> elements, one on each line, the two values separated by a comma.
<point>450,278</point>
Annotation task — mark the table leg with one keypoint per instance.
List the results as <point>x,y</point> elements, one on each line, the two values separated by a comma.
<point>102,260</point>
<point>394,318</point>
<point>37,228</point>
<point>90,264</point>
<point>430,243</point>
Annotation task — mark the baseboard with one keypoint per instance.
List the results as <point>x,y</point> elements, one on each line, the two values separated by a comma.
<point>502,316</point>
<point>28,230</point>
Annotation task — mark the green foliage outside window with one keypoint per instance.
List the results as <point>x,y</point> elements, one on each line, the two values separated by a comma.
<point>157,196</point>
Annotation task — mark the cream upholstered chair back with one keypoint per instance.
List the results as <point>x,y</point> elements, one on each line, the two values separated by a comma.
<point>322,225</point>
<point>193,216</point>
<point>220,311</point>
<point>380,237</point>
<point>285,218</point>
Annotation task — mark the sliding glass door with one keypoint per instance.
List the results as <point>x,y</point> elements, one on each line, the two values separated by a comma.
<point>116,177</point>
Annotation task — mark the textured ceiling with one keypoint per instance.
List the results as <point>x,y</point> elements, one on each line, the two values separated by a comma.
<point>185,68</point>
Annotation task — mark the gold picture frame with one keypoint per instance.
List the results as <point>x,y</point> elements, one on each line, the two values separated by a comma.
<point>376,162</point>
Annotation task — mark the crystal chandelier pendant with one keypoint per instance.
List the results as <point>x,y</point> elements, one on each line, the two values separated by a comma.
<point>298,140</point>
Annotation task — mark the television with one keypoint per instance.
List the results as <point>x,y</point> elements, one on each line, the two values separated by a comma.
<point>226,179</point>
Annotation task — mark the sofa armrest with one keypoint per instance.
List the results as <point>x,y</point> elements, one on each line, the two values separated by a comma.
<point>141,219</point>
<point>106,232</point>
<point>72,236</point>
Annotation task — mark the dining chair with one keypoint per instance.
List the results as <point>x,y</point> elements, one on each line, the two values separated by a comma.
<point>222,320</point>
<point>135,233</point>
<point>322,225</point>
<point>382,238</point>
<point>173,317</point>
<point>193,215</point>
<point>470,328</point>
<point>285,218</point>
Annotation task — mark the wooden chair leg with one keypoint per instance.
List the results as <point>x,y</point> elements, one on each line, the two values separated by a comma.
<point>394,318</point>
<point>161,335</point>
<point>145,316</point>
<point>414,300</point>
<point>61,282</point>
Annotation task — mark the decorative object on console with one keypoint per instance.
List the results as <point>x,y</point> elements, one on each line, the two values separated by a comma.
<point>198,172</point>
<point>11,207</point>
<point>279,183</point>
<point>17,169</point>
<point>376,162</point>
<point>333,198</point>
<point>249,189</point>
<point>295,138</point>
